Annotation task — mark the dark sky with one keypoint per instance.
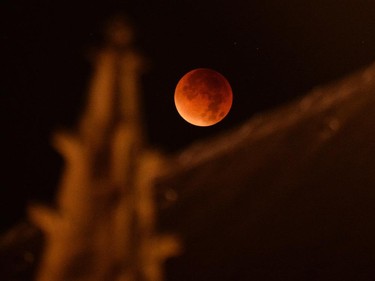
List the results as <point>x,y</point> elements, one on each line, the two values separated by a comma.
<point>270,51</point>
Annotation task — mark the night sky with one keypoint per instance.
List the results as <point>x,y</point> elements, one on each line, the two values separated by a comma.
<point>270,51</point>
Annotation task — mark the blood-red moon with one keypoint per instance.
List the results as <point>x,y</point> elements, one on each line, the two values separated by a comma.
<point>203,97</point>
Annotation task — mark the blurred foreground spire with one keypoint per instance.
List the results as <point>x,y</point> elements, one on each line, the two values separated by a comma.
<point>103,226</point>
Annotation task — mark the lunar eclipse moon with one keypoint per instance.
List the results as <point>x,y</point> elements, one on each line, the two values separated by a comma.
<point>203,97</point>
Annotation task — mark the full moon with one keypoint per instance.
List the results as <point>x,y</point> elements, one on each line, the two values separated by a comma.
<point>203,97</point>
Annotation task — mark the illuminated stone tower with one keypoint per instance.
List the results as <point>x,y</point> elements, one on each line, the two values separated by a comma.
<point>103,225</point>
